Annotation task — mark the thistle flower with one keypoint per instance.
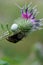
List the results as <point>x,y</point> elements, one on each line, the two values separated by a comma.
<point>25,24</point>
<point>30,16</point>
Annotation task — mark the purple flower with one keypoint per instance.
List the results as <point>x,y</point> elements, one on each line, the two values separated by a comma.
<point>26,15</point>
<point>31,14</point>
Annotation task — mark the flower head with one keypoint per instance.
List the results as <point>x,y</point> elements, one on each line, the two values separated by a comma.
<point>29,14</point>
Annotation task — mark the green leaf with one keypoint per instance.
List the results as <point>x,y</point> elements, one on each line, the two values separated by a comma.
<point>2,27</point>
<point>7,27</point>
<point>3,62</point>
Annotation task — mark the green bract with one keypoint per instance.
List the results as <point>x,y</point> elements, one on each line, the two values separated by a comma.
<point>23,25</point>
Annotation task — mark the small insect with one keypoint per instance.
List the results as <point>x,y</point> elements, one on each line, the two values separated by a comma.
<point>25,24</point>
<point>16,37</point>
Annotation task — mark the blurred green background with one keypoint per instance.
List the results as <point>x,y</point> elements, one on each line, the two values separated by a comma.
<point>18,54</point>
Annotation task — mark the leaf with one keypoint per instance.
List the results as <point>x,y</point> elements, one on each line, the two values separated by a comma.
<point>2,27</point>
<point>3,62</point>
<point>7,26</point>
